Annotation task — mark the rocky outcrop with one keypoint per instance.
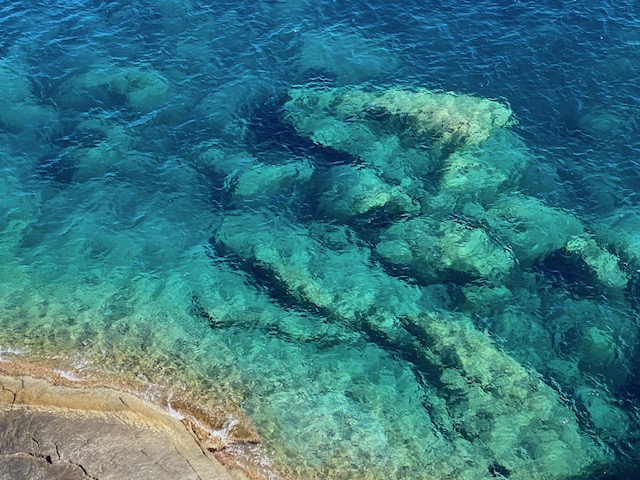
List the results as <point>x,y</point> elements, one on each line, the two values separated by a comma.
<point>53,432</point>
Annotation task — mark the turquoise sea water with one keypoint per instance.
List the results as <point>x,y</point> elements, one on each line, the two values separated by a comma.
<point>403,237</point>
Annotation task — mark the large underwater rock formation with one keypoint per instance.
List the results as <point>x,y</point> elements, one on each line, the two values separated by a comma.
<point>445,172</point>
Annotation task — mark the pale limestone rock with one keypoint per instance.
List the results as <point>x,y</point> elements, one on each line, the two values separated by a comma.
<point>62,433</point>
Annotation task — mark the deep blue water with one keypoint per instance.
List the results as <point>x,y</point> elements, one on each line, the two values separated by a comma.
<point>168,214</point>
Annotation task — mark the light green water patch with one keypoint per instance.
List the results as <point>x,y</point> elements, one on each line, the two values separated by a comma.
<point>97,276</point>
<point>107,282</point>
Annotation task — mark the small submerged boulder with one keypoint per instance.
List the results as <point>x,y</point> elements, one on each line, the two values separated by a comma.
<point>605,122</point>
<point>603,263</point>
<point>482,173</point>
<point>20,110</point>
<point>531,228</point>
<point>144,88</point>
<point>262,182</point>
<point>114,147</point>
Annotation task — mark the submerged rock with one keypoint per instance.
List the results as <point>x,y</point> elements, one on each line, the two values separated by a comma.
<point>497,403</point>
<point>455,157</point>
<point>313,273</point>
<point>442,122</point>
<point>352,191</point>
<point>144,88</point>
<point>448,119</point>
<point>20,110</point>
<point>262,182</point>
<point>607,122</point>
<point>471,250</point>
<point>435,250</point>
<point>482,173</point>
<point>604,264</point>
<point>496,408</point>
<point>531,228</point>
<point>350,57</point>
<point>114,148</point>
<point>18,212</point>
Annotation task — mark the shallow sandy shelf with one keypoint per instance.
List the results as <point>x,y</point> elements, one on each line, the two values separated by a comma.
<point>53,432</point>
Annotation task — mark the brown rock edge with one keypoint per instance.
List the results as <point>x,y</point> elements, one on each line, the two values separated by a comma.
<point>53,429</point>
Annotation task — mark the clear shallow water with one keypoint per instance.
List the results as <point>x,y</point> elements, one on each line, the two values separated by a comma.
<point>168,213</point>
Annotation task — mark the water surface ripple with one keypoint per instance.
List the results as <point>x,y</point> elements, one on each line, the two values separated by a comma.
<point>402,237</point>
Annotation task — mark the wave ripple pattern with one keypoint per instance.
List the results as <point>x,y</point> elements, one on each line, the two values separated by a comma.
<point>375,239</point>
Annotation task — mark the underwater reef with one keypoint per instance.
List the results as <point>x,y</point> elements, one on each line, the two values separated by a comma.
<point>432,197</point>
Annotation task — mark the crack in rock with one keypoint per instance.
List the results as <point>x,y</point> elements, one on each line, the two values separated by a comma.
<point>187,460</point>
<point>51,461</point>
<point>14,393</point>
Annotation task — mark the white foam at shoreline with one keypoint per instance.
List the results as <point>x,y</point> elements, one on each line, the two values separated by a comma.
<point>222,433</point>
<point>67,375</point>
<point>174,413</point>
<point>9,351</point>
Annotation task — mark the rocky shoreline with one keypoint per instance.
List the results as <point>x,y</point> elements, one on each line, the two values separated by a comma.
<point>52,427</point>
